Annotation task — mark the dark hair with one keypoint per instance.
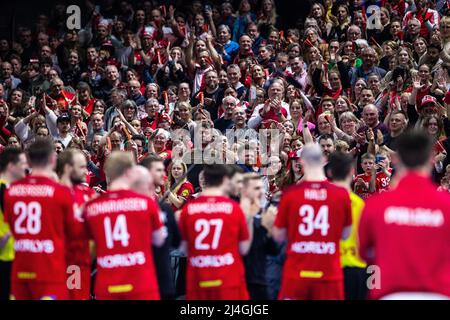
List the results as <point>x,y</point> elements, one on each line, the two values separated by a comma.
<point>434,46</point>
<point>339,165</point>
<point>148,160</point>
<point>414,148</point>
<point>139,137</point>
<point>234,169</point>
<point>39,152</point>
<point>9,155</point>
<point>81,86</point>
<point>214,174</point>
<point>65,157</point>
<point>326,136</point>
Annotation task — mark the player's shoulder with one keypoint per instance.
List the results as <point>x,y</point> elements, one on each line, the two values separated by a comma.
<point>213,199</point>
<point>356,199</point>
<point>124,194</point>
<point>84,189</point>
<point>293,189</point>
<point>338,191</point>
<point>380,200</point>
<point>40,182</point>
<point>214,203</point>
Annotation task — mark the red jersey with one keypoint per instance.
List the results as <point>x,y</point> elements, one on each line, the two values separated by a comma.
<point>314,214</point>
<point>38,209</point>
<point>364,193</point>
<point>408,229</point>
<point>63,100</point>
<point>186,190</point>
<point>78,240</point>
<point>149,123</point>
<point>383,180</point>
<point>165,154</point>
<point>213,226</point>
<point>121,223</point>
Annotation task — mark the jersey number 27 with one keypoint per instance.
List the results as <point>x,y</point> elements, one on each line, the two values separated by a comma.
<point>203,226</point>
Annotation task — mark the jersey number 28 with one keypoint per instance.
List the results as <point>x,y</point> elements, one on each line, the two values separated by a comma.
<point>29,217</point>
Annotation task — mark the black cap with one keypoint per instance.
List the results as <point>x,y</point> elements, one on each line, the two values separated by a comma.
<point>63,117</point>
<point>46,61</point>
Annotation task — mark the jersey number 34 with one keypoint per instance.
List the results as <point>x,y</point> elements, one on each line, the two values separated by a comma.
<point>312,221</point>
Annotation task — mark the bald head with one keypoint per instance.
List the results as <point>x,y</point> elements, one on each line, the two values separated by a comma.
<point>141,180</point>
<point>370,115</point>
<point>312,156</point>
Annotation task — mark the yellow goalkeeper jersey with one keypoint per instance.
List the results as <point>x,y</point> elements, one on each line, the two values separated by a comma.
<point>350,247</point>
<point>7,252</point>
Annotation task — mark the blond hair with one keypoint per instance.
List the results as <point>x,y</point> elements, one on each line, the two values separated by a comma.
<point>118,163</point>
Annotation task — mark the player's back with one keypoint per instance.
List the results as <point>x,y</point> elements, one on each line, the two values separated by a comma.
<point>314,214</point>
<point>409,229</point>
<point>121,223</point>
<point>213,226</point>
<point>38,209</point>
<point>78,241</point>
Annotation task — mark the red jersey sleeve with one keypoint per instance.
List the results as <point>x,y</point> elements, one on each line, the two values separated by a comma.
<point>155,216</point>
<point>67,203</point>
<point>281,221</point>
<point>186,190</point>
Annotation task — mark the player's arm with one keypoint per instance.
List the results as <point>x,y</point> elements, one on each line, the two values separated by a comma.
<point>183,247</point>
<point>244,247</point>
<point>279,234</point>
<point>279,231</point>
<point>177,201</point>
<point>346,232</point>
<point>246,228</point>
<point>159,236</point>
<point>159,230</point>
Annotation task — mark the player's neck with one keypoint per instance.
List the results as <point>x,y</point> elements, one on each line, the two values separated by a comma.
<point>119,184</point>
<point>42,172</point>
<point>66,181</point>
<point>343,183</point>
<point>315,175</point>
<point>213,191</point>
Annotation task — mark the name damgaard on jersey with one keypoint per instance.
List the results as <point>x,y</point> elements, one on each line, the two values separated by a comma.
<point>34,246</point>
<point>122,260</point>
<point>129,204</point>
<point>212,261</point>
<point>219,207</point>
<point>418,217</point>
<point>315,247</point>
<point>31,191</point>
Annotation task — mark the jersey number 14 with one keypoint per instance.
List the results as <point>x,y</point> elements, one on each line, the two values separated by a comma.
<point>118,233</point>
